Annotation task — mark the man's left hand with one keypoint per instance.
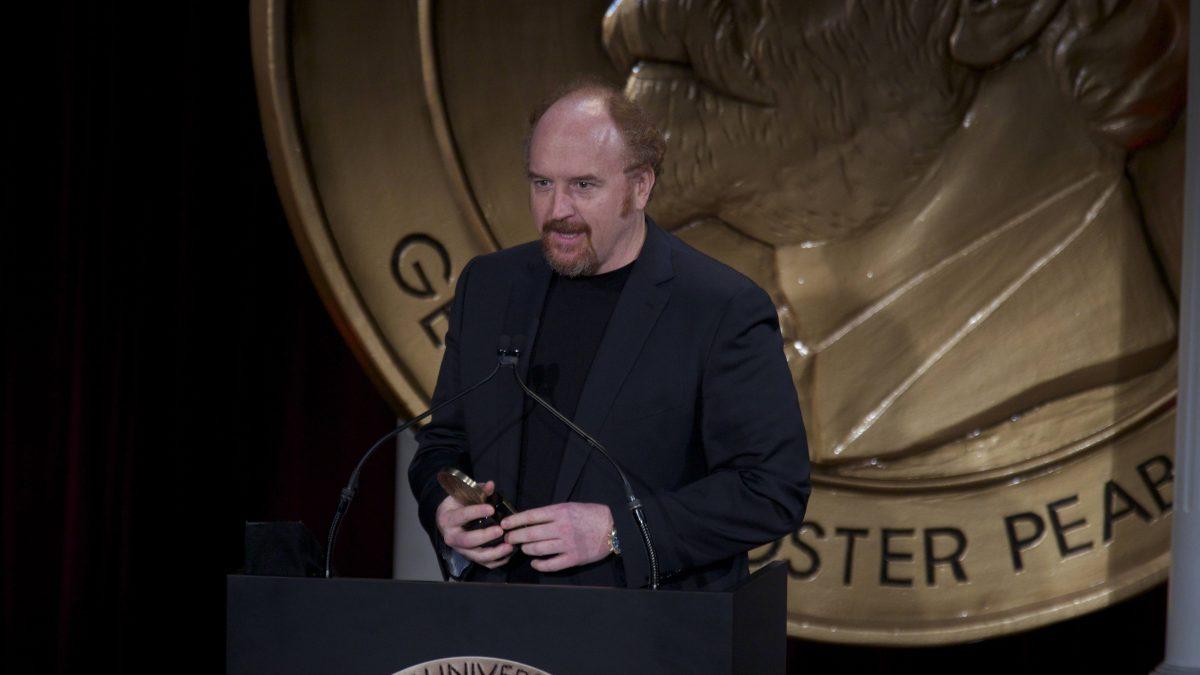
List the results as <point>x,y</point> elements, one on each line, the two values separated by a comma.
<point>561,535</point>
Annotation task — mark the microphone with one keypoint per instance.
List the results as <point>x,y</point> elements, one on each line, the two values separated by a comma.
<point>508,356</point>
<point>351,488</point>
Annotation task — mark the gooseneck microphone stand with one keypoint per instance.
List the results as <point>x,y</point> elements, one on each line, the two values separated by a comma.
<point>508,357</point>
<point>351,488</point>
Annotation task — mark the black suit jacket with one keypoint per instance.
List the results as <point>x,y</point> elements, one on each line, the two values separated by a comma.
<point>689,391</point>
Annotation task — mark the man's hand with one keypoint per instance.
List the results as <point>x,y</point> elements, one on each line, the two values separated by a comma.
<point>453,514</point>
<point>561,535</point>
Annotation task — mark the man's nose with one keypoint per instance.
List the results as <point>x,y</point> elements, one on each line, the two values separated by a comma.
<point>563,206</point>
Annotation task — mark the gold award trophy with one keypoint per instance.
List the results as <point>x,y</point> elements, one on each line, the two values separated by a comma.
<point>463,488</point>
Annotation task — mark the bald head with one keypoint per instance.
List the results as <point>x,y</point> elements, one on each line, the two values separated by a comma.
<point>580,126</point>
<point>643,142</point>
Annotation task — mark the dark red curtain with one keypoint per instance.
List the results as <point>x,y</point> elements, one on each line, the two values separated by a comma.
<point>170,373</point>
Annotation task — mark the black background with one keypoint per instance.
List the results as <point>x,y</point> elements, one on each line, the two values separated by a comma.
<point>169,371</point>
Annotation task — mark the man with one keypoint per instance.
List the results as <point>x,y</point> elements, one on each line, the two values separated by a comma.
<point>671,360</point>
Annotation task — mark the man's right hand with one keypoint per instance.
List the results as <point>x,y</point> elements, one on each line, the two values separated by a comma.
<point>452,515</point>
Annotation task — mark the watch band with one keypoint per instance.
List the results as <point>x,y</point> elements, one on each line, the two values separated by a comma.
<point>614,543</point>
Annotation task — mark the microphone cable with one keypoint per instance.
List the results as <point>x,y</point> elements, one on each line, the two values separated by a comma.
<point>351,488</point>
<point>509,357</point>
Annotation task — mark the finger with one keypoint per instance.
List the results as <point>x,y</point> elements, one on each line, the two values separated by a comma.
<point>497,563</point>
<point>544,514</point>
<point>556,564</point>
<point>489,487</point>
<point>544,548</point>
<point>456,517</point>
<point>470,539</point>
<point>533,533</point>
<point>488,554</point>
<point>448,504</point>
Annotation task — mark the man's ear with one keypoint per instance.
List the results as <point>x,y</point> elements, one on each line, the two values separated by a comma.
<point>989,31</point>
<point>643,184</point>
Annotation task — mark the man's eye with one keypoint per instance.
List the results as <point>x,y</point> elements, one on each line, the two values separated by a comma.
<point>541,183</point>
<point>584,184</point>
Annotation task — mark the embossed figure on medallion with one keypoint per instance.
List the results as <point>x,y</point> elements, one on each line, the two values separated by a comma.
<point>938,195</point>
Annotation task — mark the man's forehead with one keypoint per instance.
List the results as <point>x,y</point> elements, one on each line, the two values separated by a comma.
<point>576,132</point>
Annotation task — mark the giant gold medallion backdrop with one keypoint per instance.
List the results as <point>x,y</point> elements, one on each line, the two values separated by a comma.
<point>968,215</point>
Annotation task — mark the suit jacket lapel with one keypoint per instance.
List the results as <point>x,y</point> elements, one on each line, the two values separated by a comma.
<point>642,300</point>
<point>526,296</point>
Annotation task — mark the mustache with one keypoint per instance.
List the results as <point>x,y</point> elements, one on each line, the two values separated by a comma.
<point>564,227</point>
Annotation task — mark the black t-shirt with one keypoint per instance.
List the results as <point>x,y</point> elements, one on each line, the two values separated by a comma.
<point>574,317</point>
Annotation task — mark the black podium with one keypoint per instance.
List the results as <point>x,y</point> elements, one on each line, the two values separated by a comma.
<point>298,625</point>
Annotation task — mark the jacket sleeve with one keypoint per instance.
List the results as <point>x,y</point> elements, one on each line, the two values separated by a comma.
<point>442,442</point>
<point>752,435</point>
